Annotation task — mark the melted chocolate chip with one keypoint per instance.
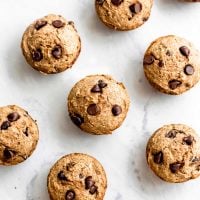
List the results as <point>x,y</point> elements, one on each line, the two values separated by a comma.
<point>8,154</point>
<point>171,134</point>
<point>175,167</point>
<point>5,125</point>
<point>116,2</point>
<point>61,176</point>
<point>116,110</point>
<point>102,84</point>
<point>89,182</point>
<point>57,52</point>
<point>161,63</point>
<point>93,189</point>
<point>185,51</point>
<point>26,132</point>
<point>96,89</point>
<point>148,59</point>
<point>70,195</point>
<point>93,109</point>
<point>188,140</point>
<point>40,24</point>
<point>13,117</point>
<point>173,84</point>
<point>158,157</point>
<point>37,55</point>
<point>58,24</point>
<point>77,119</point>
<point>189,70</point>
<point>136,8</point>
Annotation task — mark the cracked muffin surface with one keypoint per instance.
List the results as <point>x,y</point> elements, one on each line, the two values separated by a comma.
<point>98,104</point>
<point>18,135</point>
<point>173,153</point>
<point>51,44</point>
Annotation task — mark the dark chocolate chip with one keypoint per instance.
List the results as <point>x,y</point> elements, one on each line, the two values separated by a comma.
<point>96,89</point>
<point>102,84</point>
<point>188,140</point>
<point>93,109</point>
<point>57,52</point>
<point>58,24</point>
<point>100,2</point>
<point>136,8</point>
<point>40,24</point>
<point>148,59</point>
<point>93,189</point>
<point>189,70</point>
<point>158,157</point>
<point>77,119</point>
<point>116,2</point>
<point>173,84</point>
<point>61,176</point>
<point>185,51</point>
<point>8,154</point>
<point>70,195</point>
<point>89,182</point>
<point>37,55</point>
<point>171,134</point>
<point>161,63</point>
<point>13,117</point>
<point>5,125</point>
<point>175,167</point>
<point>116,110</point>
<point>26,132</point>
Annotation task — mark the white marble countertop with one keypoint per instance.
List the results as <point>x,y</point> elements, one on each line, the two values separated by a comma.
<point>119,54</point>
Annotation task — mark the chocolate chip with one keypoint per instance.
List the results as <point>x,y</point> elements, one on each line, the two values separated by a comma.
<point>189,70</point>
<point>77,119</point>
<point>188,140</point>
<point>102,84</point>
<point>185,51</point>
<point>26,132</point>
<point>81,176</point>
<point>173,84</point>
<point>158,157</point>
<point>116,2</point>
<point>93,109</point>
<point>89,182</point>
<point>37,55</point>
<point>5,125</point>
<point>13,116</point>
<point>175,167</point>
<point>93,189</point>
<point>96,89</point>
<point>40,24</point>
<point>171,134</point>
<point>58,24</point>
<point>57,52</point>
<point>62,176</point>
<point>100,2</point>
<point>70,195</point>
<point>161,63</point>
<point>8,154</point>
<point>148,59</point>
<point>136,8</point>
<point>116,110</point>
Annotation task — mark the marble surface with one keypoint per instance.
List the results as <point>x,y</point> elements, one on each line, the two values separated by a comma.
<point>119,54</point>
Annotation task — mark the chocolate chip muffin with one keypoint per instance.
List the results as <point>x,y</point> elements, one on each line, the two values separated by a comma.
<point>172,65</point>
<point>173,153</point>
<point>18,135</point>
<point>123,15</point>
<point>51,44</point>
<point>77,176</point>
<point>98,104</point>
